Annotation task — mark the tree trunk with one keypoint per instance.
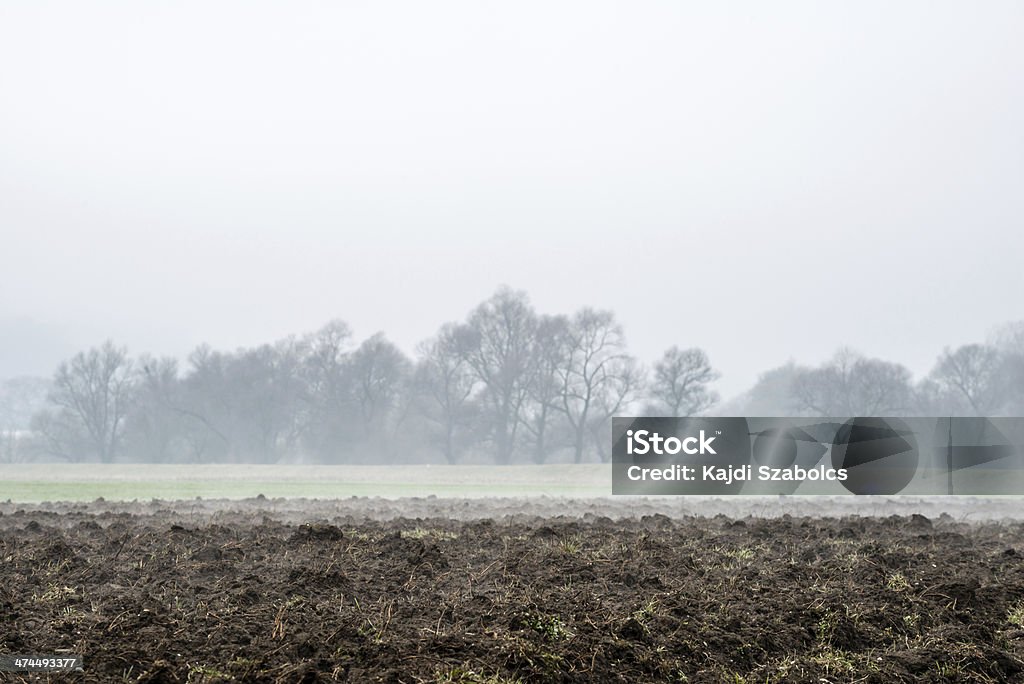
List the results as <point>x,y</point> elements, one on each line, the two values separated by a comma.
<point>449,444</point>
<point>578,446</point>
<point>504,455</point>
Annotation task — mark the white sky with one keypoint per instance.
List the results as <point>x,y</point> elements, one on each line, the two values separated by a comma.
<point>765,180</point>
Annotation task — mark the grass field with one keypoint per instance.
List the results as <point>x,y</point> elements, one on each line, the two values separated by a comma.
<point>35,483</point>
<point>87,482</point>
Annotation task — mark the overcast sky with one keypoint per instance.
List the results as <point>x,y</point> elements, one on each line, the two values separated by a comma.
<point>767,180</point>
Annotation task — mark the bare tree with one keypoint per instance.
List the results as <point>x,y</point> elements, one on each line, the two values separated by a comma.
<point>597,376</point>
<point>447,383</point>
<point>90,395</point>
<point>326,355</point>
<point>544,393</point>
<point>625,383</point>
<point>328,407</point>
<point>851,385</point>
<point>500,354</point>
<point>679,386</point>
<point>975,374</point>
<point>1009,340</point>
<point>378,369</point>
<point>154,425</point>
<point>771,395</point>
<point>247,404</point>
<point>824,391</point>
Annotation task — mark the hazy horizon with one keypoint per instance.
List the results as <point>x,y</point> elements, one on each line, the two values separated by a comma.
<point>765,182</point>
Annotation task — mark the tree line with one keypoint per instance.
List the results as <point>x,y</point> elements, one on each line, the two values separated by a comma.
<point>504,385</point>
<point>977,379</point>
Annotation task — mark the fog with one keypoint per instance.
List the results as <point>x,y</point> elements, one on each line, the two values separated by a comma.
<point>763,181</point>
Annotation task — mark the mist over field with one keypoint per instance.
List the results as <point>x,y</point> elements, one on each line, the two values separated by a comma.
<point>314,318</point>
<point>764,183</point>
<point>472,233</point>
<point>505,385</point>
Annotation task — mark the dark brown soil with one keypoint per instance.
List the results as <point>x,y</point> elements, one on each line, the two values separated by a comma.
<point>146,597</point>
